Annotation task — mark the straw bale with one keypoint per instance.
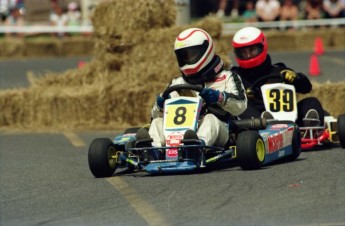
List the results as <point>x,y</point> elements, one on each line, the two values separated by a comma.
<point>11,48</point>
<point>331,96</point>
<point>116,18</point>
<point>133,62</point>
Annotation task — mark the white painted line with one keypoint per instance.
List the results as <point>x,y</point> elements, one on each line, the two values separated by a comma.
<point>144,209</point>
<point>74,139</point>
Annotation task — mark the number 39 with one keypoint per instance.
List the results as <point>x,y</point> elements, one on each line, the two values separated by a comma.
<point>281,100</point>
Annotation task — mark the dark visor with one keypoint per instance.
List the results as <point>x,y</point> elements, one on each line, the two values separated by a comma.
<point>191,55</point>
<point>249,52</point>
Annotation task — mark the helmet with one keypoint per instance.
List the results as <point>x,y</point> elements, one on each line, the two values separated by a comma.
<point>194,50</point>
<point>250,46</point>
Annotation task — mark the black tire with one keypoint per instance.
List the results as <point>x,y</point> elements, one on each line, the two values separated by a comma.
<point>131,130</point>
<point>100,158</point>
<point>296,144</point>
<point>305,105</point>
<point>250,150</point>
<point>341,130</point>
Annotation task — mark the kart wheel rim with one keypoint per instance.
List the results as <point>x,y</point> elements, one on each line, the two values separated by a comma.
<point>112,157</point>
<point>260,150</point>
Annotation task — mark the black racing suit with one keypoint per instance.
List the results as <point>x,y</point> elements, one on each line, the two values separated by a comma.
<point>249,76</point>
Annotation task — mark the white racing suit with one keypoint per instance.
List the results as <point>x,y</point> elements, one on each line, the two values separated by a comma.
<point>212,131</point>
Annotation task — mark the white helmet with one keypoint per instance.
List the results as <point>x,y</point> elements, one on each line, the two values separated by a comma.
<point>194,50</point>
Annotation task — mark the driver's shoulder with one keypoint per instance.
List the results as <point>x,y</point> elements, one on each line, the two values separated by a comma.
<point>178,81</point>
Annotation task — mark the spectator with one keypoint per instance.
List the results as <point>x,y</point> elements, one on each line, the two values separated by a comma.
<point>57,17</point>
<point>313,9</point>
<point>288,11</point>
<point>222,7</point>
<point>249,14</point>
<point>4,11</point>
<point>16,16</point>
<point>267,10</point>
<point>333,8</point>
<point>73,15</point>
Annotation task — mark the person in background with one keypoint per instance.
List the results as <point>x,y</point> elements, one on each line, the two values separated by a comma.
<point>251,53</point>
<point>16,16</point>
<point>267,10</point>
<point>4,11</point>
<point>313,9</point>
<point>249,14</point>
<point>333,8</point>
<point>57,17</point>
<point>223,89</point>
<point>73,14</point>
<point>288,11</point>
<point>222,7</point>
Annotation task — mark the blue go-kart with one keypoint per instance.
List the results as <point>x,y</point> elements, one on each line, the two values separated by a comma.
<point>252,143</point>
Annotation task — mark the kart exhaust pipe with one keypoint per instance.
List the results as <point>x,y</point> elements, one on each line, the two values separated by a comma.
<point>251,124</point>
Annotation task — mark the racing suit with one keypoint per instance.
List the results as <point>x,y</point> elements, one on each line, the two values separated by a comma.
<point>211,130</point>
<point>249,76</point>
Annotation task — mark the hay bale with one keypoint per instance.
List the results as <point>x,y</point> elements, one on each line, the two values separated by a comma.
<point>329,91</point>
<point>12,48</point>
<point>133,62</point>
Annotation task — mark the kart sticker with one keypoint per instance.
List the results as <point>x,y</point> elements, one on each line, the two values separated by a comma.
<point>279,140</point>
<point>279,126</point>
<point>173,140</point>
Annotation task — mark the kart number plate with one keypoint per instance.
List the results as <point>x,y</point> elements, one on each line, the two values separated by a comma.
<point>181,116</point>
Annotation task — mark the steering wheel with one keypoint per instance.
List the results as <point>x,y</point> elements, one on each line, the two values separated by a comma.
<point>216,110</point>
<point>255,87</point>
<point>171,89</point>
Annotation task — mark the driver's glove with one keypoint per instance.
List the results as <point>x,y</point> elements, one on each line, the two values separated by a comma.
<point>212,96</point>
<point>288,76</point>
<point>160,101</point>
<point>250,94</point>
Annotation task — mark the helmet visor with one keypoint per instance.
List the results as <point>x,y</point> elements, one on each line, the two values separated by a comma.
<point>249,52</point>
<point>191,55</point>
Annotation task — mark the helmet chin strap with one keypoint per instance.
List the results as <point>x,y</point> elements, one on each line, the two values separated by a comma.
<point>206,74</point>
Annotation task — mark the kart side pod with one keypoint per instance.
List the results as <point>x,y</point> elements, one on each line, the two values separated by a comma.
<point>250,124</point>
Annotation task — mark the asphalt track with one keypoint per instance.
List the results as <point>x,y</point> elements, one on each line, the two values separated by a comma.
<point>45,179</point>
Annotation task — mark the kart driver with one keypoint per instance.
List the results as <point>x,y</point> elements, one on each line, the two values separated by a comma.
<point>250,48</point>
<point>194,50</point>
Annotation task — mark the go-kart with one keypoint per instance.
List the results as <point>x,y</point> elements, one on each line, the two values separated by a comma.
<point>281,102</point>
<point>253,143</point>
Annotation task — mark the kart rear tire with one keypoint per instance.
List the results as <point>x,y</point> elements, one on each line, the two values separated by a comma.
<point>250,150</point>
<point>131,130</point>
<point>305,105</point>
<point>100,156</point>
<point>341,130</point>
<point>296,144</point>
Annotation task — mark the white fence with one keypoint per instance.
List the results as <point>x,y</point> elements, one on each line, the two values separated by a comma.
<point>228,28</point>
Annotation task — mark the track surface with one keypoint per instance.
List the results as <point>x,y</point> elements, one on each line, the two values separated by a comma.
<point>45,180</point>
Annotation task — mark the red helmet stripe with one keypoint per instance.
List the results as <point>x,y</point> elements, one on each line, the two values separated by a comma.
<point>180,39</point>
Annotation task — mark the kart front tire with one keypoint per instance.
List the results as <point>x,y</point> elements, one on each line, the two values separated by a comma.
<point>250,150</point>
<point>341,130</point>
<point>101,157</point>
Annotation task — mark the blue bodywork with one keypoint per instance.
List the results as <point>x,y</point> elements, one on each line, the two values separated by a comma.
<point>284,135</point>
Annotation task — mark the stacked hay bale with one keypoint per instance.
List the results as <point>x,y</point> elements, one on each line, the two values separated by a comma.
<point>134,60</point>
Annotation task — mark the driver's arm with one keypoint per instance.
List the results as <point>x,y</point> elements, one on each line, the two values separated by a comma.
<point>157,111</point>
<point>299,80</point>
<point>235,99</point>
<point>302,84</point>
